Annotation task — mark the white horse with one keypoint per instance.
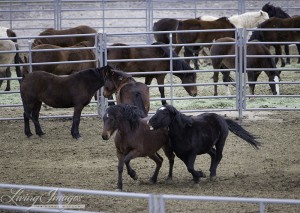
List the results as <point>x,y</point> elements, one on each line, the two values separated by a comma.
<point>245,20</point>
<point>8,58</point>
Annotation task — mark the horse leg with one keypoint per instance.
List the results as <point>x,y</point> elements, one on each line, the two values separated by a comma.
<point>278,51</point>
<point>287,52</point>
<point>170,155</point>
<point>273,78</point>
<point>120,171</point>
<point>226,78</point>
<point>298,48</point>
<point>216,79</point>
<point>18,60</point>
<point>189,162</point>
<point>213,163</point>
<point>76,121</point>
<point>130,171</point>
<point>160,81</point>
<point>35,116</point>
<point>26,125</point>
<point>158,160</point>
<point>8,75</point>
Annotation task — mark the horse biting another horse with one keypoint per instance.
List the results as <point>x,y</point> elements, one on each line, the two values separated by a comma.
<point>278,35</point>
<point>66,41</point>
<point>127,90</point>
<point>61,55</point>
<point>279,13</point>
<point>75,90</point>
<point>127,52</point>
<point>135,139</point>
<point>195,135</point>
<point>229,63</point>
<point>8,58</point>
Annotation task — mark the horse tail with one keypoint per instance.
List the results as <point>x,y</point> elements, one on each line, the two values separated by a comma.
<point>242,133</point>
<point>178,64</point>
<point>139,103</point>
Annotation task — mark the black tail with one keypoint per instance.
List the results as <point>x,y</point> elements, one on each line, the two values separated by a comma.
<point>242,133</point>
<point>139,103</point>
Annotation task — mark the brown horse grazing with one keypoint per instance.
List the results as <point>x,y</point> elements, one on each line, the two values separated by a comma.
<point>201,37</point>
<point>277,35</point>
<point>127,90</point>
<point>62,55</point>
<point>75,90</point>
<point>252,49</point>
<point>66,41</point>
<point>135,139</point>
<point>152,66</point>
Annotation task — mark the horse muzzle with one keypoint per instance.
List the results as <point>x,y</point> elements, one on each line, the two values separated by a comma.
<point>105,136</point>
<point>151,127</point>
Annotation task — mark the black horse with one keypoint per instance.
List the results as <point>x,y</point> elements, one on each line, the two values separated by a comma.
<point>274,11</point>
<point>195,135</point>
<point>75,90</point>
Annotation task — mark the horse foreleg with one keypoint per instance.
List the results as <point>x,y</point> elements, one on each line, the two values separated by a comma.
<point>189,162</point>
<point>131,155</point>
<point>35,116</point>
<point>158,160</point>
<point>120,171</point>
<point>170,155</point>
<point>287,52</point>
<point>76,121</point>
<point>8,75</point>
<point>216,79</point>
<point>160,81</point>
<point>130,171</point>
<point>278,51</point>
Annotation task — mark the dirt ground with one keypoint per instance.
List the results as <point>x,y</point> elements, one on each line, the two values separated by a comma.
<point>90,163</point>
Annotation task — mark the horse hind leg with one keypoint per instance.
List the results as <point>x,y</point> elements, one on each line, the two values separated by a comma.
<point>287,52</point>
<point>8,75</point>
<point>35,119</point>
<point>27,125</point>
<point>158,160</point>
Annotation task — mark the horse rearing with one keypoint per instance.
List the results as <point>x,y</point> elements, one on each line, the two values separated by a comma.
<point>195,135</point>
<point>135,139</point>
<point>75,90</point>
<point>127,90</point>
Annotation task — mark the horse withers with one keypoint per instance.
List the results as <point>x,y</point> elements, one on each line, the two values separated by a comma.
<point>75,90</point>
<point>135,139</point>
<point>196,135</point>
<point>127,90</point>
<point>252,62</point>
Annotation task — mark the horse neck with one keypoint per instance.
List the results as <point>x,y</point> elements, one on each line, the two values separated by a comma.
<point>122,83</point>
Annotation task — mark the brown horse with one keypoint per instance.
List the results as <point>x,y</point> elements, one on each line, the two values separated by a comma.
<point>278,35</point>
<point>201,37</point>
<point>127,90</point>
<point>229,63</point>
<point>66,41</point>
<point>61,55</point>
<point>152,66</point>
<point>75,90</point>
<point>135,139</point>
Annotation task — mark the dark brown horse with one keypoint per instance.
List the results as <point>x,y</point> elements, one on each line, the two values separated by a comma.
<point>229,63</point>
<point>66,41</point>
<point>202,37</point>
<point>61,55</point>
<point>278,35</point>
<point>135,139</point>
<point>75,90</point>
<point>274,11</point>
<point>127,90</point>
<point>152,66</point>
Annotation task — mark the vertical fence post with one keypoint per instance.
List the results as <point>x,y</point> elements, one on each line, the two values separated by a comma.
<point>103,61</point>
<point>171,66</point>
<point>149,20</point>
<point>30,55</point>
<point>239,65</point>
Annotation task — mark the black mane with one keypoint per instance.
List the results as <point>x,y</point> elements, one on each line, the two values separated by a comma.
<point>182,119</point>
<point>274,11</point>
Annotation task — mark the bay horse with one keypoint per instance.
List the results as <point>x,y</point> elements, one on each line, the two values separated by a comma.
<point>127,90</point>
<point>75,90</point>
<point>201,37</point>
<point>61,55</point>
<point>9,58</point>
<point>66,41</point>
<point>196,135</point>
<point>229,63</point>
<point>152,66</point>
<point>277,35</point>
<point>278,12</point>
<point>135,139</point>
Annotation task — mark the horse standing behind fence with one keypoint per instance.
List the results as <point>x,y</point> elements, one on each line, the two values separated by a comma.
<point>62,55</point>
<point>127,90</point>
<point>280,13</point>
<point>75,90</point>
<point>196,135</point>
<point>5,58</point>
<point>127,52</point>
<point>66,41</point>
<point>278,35</point>
<point>229,63</point>
<point>135,139</point>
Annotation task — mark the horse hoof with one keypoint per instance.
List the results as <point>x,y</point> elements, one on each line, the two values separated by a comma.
<point>29,134</point>
<point>118,190</point>
<point>169,180</point>
<point>135,177</point>
<point>40,134</point>
<point>153,180</point>
<point>213,178</point>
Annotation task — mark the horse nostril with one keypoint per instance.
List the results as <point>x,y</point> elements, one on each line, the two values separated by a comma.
<point>105,137</point>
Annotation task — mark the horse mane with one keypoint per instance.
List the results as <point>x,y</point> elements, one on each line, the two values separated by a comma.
<point>127,112</point>
<point>274,11</point>
<point>182,119</point>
